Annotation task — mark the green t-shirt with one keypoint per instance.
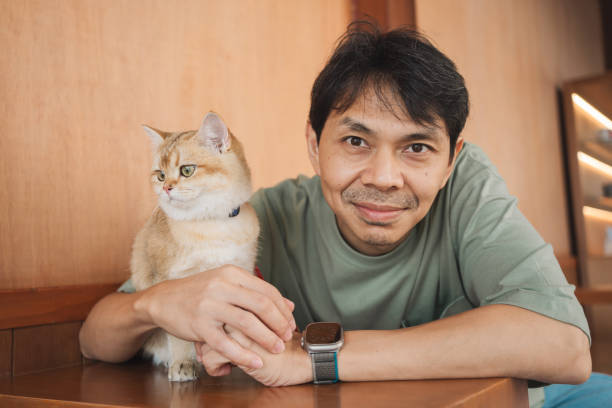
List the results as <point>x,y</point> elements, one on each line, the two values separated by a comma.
<point>473,248</point>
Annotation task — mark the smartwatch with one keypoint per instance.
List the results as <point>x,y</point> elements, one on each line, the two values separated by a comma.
<point>322,341</point>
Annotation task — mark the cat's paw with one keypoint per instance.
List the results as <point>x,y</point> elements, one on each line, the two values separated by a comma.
<point>184,371</point>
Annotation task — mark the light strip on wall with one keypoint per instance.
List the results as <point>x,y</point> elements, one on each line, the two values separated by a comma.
<point>597,213</point>
<point>591,110</point>
<point>596,164</point>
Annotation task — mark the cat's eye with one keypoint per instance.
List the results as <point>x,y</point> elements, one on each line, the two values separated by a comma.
<point>161,176</point>
<point>188,170</point>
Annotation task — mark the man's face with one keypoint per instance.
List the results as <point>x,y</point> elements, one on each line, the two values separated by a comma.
<point>380,172</point>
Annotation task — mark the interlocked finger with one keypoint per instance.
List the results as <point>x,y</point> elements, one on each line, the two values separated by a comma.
<point>231,351</point>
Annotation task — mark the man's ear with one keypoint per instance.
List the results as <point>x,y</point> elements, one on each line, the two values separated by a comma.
<point>451,165</point>
<point>313,148</point>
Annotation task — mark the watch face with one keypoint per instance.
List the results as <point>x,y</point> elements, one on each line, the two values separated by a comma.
<point>323,333</point>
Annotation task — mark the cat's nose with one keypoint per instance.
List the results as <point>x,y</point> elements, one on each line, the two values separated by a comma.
<point>168,188</point>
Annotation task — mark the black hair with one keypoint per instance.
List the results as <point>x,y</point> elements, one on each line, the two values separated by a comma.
<point>402,60</point>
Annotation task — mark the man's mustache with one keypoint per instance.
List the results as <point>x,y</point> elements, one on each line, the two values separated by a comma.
<point>374,196</point>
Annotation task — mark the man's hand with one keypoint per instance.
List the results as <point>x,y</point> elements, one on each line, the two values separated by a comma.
<point>197,307</point>
<point>288,368</point>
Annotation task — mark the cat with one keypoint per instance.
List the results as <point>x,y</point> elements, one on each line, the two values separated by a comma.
<point>202,221</point>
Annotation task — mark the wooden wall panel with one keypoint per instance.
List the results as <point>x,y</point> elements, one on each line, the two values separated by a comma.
<point>401,12</point>
<point>45,347</point>
<point>606,18</point>
<point>370,9</point>
<point>601,295</point>
<point>79,78</point>
<point>569,267</point>
<point>30,307</point>
<point>388,14</point>
<point>513,56</point>
<point>6,351</point>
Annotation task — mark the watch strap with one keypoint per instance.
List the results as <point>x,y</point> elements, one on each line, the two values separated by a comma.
<point>325,367</point>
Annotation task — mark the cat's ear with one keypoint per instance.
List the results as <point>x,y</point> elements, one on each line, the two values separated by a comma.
<point>156,136</point>
<point>213,133</point>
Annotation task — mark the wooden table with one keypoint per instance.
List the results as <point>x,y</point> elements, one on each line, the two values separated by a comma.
<point>138,384</point>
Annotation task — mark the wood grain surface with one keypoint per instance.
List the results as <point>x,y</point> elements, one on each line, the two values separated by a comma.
<point>569,267</point>
<point>26,402</point>
<point>596,295</point>
<point>46,347</point>
<point>30,307</point>
<point>6,352</point>
<point>138,384</point>
<point>388,14</point>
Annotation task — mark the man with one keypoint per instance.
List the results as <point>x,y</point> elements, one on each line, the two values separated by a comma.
<point>407,237</point>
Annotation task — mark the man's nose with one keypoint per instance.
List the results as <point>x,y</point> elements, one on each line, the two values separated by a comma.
<point>383,171</point>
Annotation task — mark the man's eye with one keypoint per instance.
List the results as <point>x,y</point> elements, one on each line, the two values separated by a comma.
<point>418,148</point>
<point>355,141</point>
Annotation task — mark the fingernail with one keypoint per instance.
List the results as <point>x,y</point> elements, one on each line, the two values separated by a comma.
<point>279,347</point>
<point>256,363</point>
<point>288,335</point>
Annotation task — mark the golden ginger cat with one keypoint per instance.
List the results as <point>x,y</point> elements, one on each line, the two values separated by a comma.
<point>202,222</point>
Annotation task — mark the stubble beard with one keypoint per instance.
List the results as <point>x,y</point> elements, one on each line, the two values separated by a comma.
<point>399,199</point>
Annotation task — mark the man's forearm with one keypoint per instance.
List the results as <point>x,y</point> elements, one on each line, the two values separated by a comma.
<point>115,329</point>
<point>194,308</point>
<point>491,341</point>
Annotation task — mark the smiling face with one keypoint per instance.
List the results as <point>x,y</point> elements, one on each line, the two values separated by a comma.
<point>380,171</point>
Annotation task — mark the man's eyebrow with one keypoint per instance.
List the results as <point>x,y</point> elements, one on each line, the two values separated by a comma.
<point>425,133</point>
<point>355,125</point>
<point>428,135</point>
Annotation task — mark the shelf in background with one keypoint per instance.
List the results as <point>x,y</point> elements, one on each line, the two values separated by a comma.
<point>600,205</point>
<point>597,212</point>
<point>598,150</point>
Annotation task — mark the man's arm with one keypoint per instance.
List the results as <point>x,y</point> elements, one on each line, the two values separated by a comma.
<point>114,330</point>
<point>490,341</point>
<point>195,309</point>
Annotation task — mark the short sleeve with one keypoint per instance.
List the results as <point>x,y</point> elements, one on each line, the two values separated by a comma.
<point>502,258</point>
<point>127,287</point>
<point>264,214</point>
<point>278,209</point>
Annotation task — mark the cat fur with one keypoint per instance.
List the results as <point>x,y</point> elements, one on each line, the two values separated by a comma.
<point>191,230</point>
